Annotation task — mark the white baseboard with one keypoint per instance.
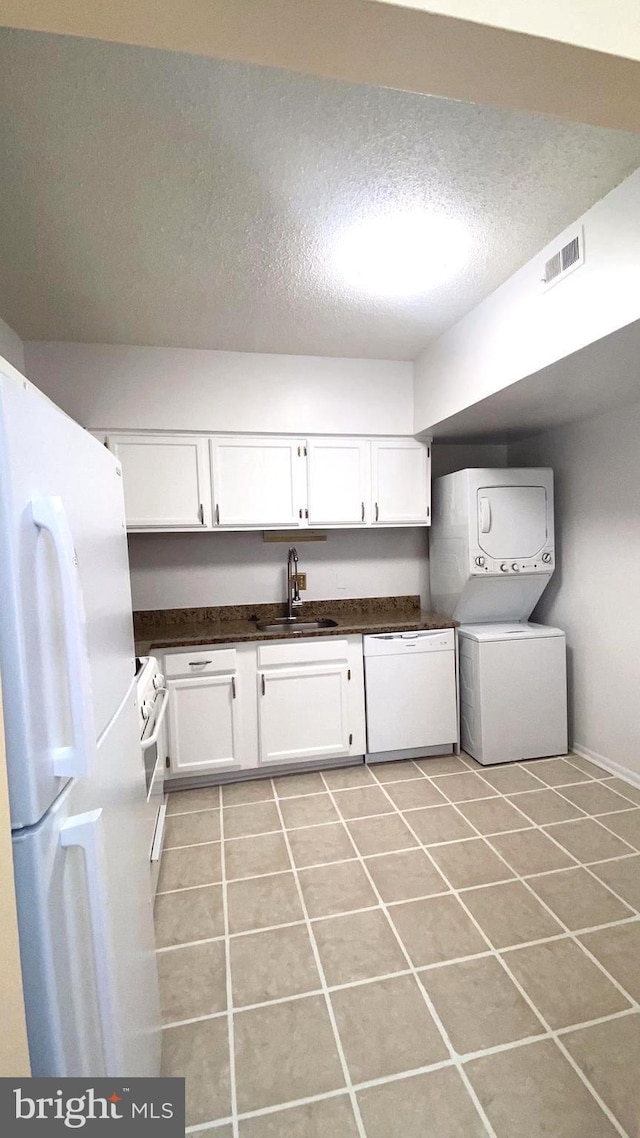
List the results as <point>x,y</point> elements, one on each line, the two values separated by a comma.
<point>624,773</point>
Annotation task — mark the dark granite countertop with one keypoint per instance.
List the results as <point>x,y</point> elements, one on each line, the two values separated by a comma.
<point>229,624</point>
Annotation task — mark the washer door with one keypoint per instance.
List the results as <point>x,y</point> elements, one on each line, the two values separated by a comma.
<point>512,521</point>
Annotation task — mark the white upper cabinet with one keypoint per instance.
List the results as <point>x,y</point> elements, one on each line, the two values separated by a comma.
<point>258,482</point>
<point>338,482</point>
<point>166,481</point>
<point>400,482</point>
<point>236,482</point>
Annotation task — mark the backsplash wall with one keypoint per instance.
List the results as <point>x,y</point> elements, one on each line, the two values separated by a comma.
<point>196,569</point>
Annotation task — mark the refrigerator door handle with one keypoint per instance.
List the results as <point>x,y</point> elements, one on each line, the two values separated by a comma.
<point>85,831</point>
<point>74,760</point>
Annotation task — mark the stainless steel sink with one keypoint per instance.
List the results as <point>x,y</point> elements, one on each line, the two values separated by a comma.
<point>297,625</point>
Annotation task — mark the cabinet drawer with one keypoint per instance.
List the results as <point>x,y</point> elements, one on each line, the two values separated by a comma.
<point>302,652</point>
<point>200,662</point>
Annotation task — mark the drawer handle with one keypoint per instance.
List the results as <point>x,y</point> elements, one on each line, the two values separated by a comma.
<point>199,663</point>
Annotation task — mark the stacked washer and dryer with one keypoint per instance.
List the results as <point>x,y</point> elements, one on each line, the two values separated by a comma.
<point>492,554</point>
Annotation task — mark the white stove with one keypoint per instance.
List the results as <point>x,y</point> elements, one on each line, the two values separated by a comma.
<point>152,698</point>
<point>149,687</point>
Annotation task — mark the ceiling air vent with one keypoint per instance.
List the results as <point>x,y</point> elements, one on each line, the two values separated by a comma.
<point>568,258</point>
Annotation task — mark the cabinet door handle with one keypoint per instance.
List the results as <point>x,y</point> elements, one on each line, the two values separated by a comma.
<point>300,512</point>
<point>264,686</point>
<point>306,512</point>
<point>363,511</point>
<point>217,514</point>
<point>233,687</point>
<point>201,514</point>
<point>377,511</point>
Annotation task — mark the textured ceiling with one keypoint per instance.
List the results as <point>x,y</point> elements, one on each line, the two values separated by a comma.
<point>156,198</point>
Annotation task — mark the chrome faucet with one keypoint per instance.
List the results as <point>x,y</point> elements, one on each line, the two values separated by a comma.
<point>293,592</point>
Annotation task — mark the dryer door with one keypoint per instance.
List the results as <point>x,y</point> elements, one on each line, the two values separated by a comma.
<point>512,521</point>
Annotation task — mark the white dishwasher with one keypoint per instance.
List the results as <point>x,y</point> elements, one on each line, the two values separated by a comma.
<point>410,685</point>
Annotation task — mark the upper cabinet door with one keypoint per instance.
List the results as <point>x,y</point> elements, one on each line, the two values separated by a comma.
<point>401,488</point>
<point>258,482</point>
<point>338,482</point>
<point>166,481</point>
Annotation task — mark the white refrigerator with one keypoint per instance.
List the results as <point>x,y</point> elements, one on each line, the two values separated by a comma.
<point>76,780</point>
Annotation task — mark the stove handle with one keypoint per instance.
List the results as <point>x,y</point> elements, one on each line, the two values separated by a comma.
<point>153,738</point>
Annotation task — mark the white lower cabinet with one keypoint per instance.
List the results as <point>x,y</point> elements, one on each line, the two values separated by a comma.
<point>310,700</point>
<point>203,724</point>
<point>205,711</point>
<point>265,705</point>
<point>303,713</point>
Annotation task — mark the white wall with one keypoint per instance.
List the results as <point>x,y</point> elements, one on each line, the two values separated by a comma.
<point>595,592</point>
<point>448,457</point>
<point>11,346</point>
<point>183,389</point>
<point>193,570</point>
<point>520,329</point>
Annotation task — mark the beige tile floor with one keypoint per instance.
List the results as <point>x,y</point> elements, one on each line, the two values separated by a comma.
<point>423,949</point>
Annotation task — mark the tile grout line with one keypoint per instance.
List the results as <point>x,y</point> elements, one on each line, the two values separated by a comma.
<point>582,947</point>
<point>229,984</point>
<point>570,934</point>
<point>508,797</point>
<point>323,981</point>
<point>400,1075</point>
<point>427,845</point>
<point>577,864</point>
<point>633,918</point>
<point>550,1033</point>
<point>407,849</point>
<point>426,998</point>
<point>568,758</point>
<point>524,881</point>
<point>421,968</point>
<point>603,814</point>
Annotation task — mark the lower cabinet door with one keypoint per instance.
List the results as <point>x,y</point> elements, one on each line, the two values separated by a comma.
<point>303,713</point>
<point>204,723</point>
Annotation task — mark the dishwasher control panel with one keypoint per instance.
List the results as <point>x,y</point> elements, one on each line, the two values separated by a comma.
<point>424,640</point>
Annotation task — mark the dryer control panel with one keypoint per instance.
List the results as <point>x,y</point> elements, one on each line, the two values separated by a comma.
<point>482,566</point>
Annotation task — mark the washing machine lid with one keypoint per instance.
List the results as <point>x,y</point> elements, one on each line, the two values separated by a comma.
<point>522,630</point>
